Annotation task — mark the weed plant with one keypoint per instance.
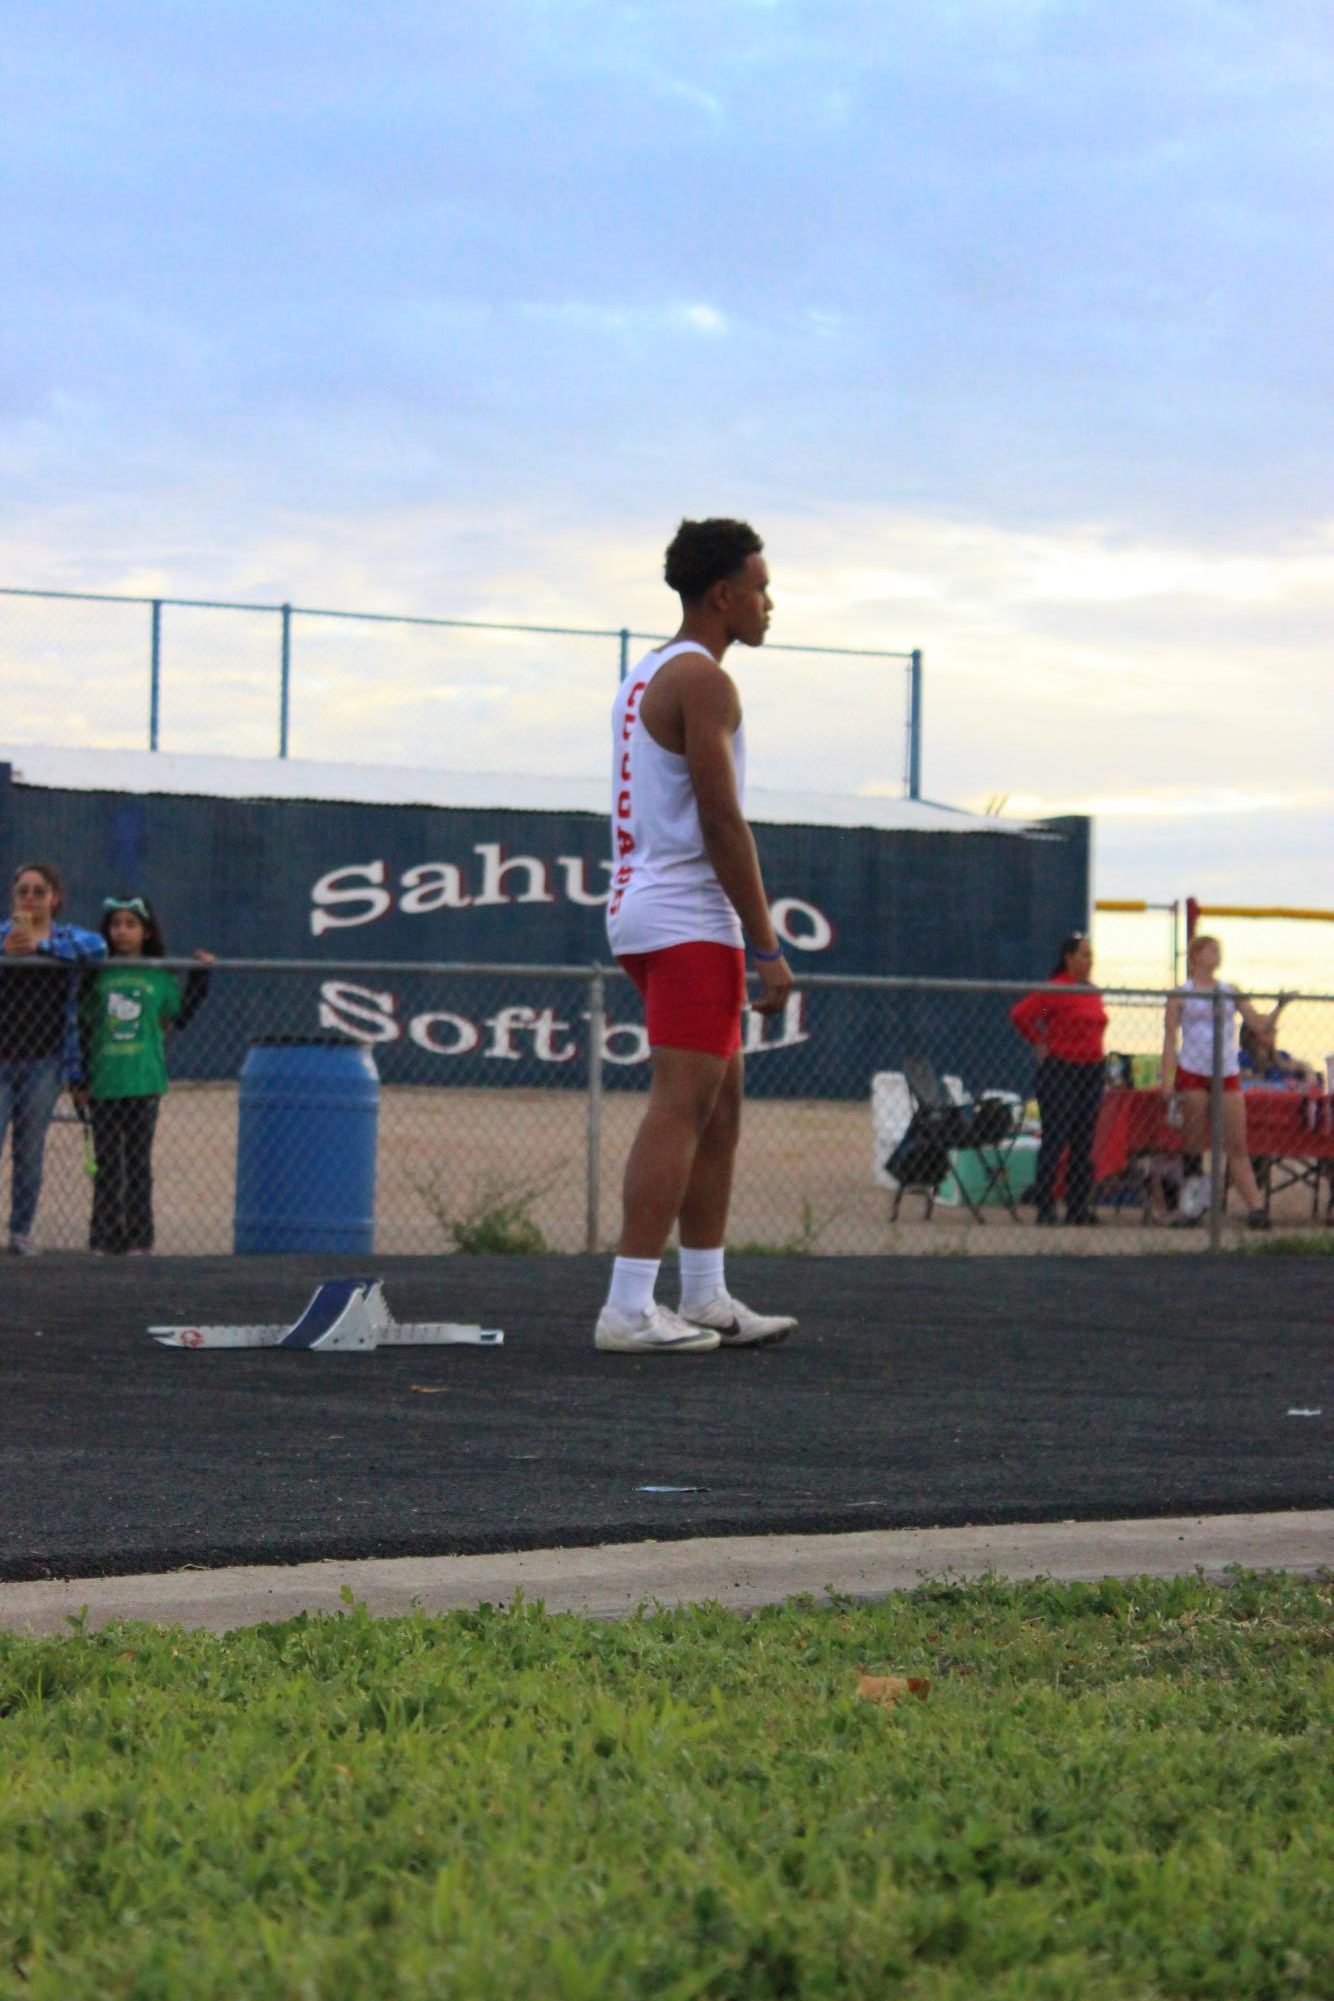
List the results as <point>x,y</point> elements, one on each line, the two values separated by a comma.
<point>1112,1791</point>
<point>496,1220</point>
<point>803,1242</point>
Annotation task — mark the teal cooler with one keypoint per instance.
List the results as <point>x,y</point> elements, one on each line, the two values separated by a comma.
<point>305,1149</point>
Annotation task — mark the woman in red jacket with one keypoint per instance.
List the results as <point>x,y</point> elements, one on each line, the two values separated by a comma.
<point>1067,1031</point>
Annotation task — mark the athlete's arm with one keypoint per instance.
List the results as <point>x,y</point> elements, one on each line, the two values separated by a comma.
<point>710,713</point>
<point>1172,1023</point>
<point>1252,1016</point>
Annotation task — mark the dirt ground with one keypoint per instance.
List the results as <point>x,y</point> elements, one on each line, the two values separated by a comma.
<point>804,1180</point>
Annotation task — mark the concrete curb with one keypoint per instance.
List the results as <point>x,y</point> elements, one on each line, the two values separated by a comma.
<point>741,1572</point>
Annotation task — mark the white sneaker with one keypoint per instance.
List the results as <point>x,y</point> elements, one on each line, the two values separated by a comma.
<point>1196,1194</point>
<point>657,1332</point>
<point>737,1325</point>
<point>22,1247</point>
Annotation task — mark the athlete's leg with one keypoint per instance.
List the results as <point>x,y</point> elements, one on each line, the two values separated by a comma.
<point>706,1300</point>
<point>708,1194</point>
<point>682,1096</point>
<point>1086,1088</point>
<point>1194,1147</point>
<point>1053,1118</point>
<point>1238,1158</point>
<point>1195,1121</point>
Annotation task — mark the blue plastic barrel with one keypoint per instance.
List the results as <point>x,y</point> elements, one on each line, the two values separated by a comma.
<point>305,1149</point>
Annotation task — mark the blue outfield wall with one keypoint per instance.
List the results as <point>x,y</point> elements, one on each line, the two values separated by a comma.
<point>339,881</point>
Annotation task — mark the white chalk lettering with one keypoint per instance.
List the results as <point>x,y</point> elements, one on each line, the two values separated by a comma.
<point>789,1028</point>
<point>624,1042</point>
<point>801,925</point>
<point>504,1026</point>
<point>339,887</point>
<point>361,1012</point>
<point>423,1030</point>
<point>495,868</point>
<point>433,886</point>
<point>370,1015</point>
<point>575,889</point>
<point>546,1029</point>
<point>357,893</point>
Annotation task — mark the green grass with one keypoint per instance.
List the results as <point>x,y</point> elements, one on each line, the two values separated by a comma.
<point>1314,1245</point>
<point>1113,1791</point>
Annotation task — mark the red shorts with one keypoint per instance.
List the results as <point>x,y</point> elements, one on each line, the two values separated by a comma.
<point>693,996</point>
<point>1191,1080</point>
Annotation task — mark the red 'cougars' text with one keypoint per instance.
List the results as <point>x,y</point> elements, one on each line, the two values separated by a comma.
<point>625,840</point>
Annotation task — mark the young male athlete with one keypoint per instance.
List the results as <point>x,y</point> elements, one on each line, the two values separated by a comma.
<point>686,896</point>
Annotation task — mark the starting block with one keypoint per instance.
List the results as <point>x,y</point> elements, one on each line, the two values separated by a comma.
<point>345,1316</point>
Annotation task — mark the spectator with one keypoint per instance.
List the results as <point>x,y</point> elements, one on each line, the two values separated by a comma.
<point>1067,1030</point>
<point>39,1040</point>
<point>127,1009</point>
<point>1189,1073</point>
<point>1261,1063</point>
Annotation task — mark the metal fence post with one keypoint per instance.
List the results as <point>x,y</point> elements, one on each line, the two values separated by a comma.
<point>915,725</point>
<point>625,651</point>
<point>1216,1190</point>
<point>285,688</point>
<point>597,1006</point>
<point>155,675</point>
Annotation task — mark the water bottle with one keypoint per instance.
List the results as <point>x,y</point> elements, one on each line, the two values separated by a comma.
<point>1311,1106</point>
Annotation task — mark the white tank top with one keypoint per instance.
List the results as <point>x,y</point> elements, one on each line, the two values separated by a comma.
<point>1197,1029</point>
<point>663,887</point>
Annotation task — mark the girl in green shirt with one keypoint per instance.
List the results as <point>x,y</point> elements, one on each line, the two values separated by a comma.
<point>127,1007</point>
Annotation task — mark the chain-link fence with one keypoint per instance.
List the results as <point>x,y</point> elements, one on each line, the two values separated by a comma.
<point>409,1108</point>
<point>199,676</point>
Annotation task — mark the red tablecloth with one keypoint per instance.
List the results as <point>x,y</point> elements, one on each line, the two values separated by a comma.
<point>1131,1122</point>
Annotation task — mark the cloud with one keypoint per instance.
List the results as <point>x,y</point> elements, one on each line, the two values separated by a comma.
<point>1026,261</point>
<point>1008,321</point>
<point>588,317</point>
<point>1121,700</point>
<point>1168,803</point>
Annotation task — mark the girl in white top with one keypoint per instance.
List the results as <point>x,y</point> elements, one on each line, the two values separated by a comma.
<point>1189,1072</point>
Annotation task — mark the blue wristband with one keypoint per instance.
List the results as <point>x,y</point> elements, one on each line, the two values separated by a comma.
<point>766,958</point>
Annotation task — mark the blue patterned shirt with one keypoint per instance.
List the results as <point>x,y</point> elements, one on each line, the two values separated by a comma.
<point>37,1022</point>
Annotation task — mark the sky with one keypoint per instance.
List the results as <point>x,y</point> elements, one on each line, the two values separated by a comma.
<point>1007,322</point>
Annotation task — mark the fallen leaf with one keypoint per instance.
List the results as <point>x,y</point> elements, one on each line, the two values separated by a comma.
<point>343,1771</point>
<point>428,1389</point>
<point>887,1689</point>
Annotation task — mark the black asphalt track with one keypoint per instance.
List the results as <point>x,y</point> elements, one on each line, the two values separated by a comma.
<point>918,1392</point>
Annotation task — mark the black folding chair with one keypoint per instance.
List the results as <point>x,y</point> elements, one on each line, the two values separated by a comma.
<point>987,1126</point>
<point>1278,1172</point>
<point>921,1161</point>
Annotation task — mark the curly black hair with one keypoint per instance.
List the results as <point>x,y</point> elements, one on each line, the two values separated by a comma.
<point>702,553</point>
<point>155,945</point>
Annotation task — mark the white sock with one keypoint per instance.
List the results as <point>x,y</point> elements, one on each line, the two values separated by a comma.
<point>701,1277</point>
<point>632,1283</point>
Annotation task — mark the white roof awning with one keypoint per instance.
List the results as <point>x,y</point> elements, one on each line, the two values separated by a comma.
<point>140,772</point>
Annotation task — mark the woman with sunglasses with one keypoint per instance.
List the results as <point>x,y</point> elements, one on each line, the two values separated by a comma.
<point>127,1009</point>
<point>39,1032</point>
<point>1067,1030</point>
